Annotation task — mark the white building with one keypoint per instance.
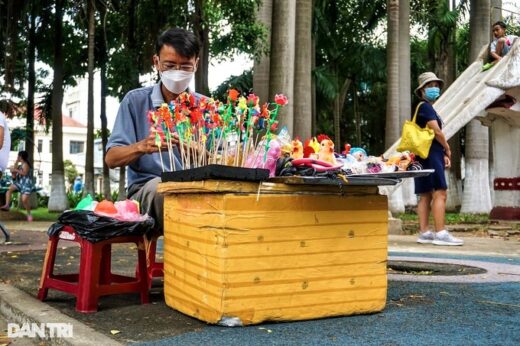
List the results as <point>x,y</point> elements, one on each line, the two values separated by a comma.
<point>74,149</point>
<point>75,103</point>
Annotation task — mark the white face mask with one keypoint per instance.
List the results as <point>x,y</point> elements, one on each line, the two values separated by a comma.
<point>176,81</point>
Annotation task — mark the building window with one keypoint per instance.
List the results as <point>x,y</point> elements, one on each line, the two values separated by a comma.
<point>40,145</point>
<point>76,147</point>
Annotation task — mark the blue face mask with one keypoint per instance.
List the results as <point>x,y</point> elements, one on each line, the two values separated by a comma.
<point>432,94</point>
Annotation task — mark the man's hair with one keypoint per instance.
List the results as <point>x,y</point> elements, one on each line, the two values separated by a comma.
<point>501,23</point>
<point>183,41</point>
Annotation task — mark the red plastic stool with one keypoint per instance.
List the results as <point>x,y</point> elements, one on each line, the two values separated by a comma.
<point>154,269</point>
<point>95,278</point>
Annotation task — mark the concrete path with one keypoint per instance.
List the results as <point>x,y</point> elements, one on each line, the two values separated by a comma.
<point>420,310</point>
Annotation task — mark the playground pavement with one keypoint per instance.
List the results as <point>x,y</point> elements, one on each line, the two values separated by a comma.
<point>478,309</point>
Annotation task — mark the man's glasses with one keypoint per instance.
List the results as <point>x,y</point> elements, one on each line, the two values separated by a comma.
<point>170,67</point>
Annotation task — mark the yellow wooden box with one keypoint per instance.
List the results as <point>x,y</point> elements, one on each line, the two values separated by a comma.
<point>243,253</point>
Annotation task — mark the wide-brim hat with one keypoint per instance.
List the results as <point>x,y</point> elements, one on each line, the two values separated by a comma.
<point>426,78</point>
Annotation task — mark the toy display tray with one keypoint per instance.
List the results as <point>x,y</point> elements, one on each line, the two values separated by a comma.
<point>396,175</point>
<point>217,172</point>
<point>351,180</point>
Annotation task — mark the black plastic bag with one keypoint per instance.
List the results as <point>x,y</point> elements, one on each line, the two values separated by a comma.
<point>96,228</point>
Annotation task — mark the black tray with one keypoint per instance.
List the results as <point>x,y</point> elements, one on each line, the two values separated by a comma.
<point>217,172</point>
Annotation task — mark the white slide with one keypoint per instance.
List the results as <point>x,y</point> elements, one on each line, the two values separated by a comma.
<point>475,90</point>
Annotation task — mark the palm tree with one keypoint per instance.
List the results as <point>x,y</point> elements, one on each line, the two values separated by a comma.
<point>477,193</point>
<point>302,67</point>
<point>392,51</point>
<point>31,83</point>
<point>453,200</point>
<point>201,29</point>
<point>262,65</point>
<point>89,157</point>
<point>405,94</point>
<point>104,92</point>
<point>281,76</point>
<point>392,132</point>
<point>58,198</point>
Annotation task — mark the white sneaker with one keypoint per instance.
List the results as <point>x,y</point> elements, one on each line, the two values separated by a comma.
<point>425,237</point>
<point>445,238</point>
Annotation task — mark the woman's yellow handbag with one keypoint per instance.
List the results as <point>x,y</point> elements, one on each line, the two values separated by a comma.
<point>416,139</point>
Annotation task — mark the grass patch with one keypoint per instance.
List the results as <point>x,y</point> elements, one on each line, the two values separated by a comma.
<point>451,218</point>
<point>43,214</point>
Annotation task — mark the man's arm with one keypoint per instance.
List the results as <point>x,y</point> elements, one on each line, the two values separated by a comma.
<point>119,156</point>
<point>123,155</point>
<point>1,137</point>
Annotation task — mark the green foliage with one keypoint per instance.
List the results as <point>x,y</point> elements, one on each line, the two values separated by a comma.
<point>347,48</point>
<point>115,195</point>
<point>43,201</point>
<point>99,133</point>
<point>74,198</point>
<point>132,33</point>
<point>462,46</point>
<point>70,171</point>
<point>243,83</point>
<point>233,28</point>
<point>17,135</point>
<point>43,214</point>
<point>452,218</point>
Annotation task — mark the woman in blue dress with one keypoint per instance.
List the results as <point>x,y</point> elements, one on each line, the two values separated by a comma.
<point>22,182</point>
<point>432,189</point>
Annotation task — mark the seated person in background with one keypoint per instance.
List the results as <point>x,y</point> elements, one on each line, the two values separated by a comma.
<point>500,46</point>
<point>78,185</point>
<point>22,182</point>
<point>131,143</point>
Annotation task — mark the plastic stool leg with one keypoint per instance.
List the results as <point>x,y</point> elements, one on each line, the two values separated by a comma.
<point>89,276</point>
<point>142,274</point>
<point>48,267</point>
<point>106,264</point>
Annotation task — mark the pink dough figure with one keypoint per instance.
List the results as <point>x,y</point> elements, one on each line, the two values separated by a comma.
<point>273,154</point>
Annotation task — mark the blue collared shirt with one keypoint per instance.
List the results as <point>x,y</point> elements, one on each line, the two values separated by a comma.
<point>132,126</point>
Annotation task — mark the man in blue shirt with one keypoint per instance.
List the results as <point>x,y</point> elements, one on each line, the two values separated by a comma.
<point>131,143</point>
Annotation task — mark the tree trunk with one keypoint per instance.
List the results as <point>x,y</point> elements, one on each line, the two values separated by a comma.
<point>281,77</point>
<point>29,134</point>
<point>262,66</point>
<point>89,157</point>
<point>395,200</point>
<point>453,175</point>
<point>134,56</point>
<point>122,184</point>
<point>313,78</point>
<point>405,92</point>
<point>313,86</point>
<point>339,101</point>
<point>58,201</point>
<point>357,116</point>
<point>200,28</point>
<point>392,51</point>
<point>103,111</point>
<point>132,42</point>
<point>302,67</point>
<point>11,33</point>
<point>496,14</point>
<point>477,193</point>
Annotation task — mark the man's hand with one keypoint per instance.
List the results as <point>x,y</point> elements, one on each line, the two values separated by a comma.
<point>149,146</point>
